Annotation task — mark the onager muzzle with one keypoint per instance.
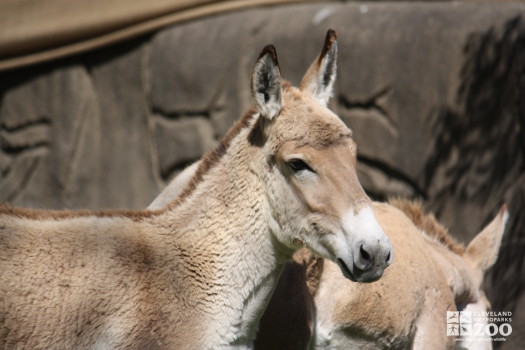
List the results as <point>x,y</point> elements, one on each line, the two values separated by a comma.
<point>371,251</point>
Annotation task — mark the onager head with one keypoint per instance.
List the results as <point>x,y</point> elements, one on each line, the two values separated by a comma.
<point>463,268</point>
<point>457,273</point>
<point>309,160</point>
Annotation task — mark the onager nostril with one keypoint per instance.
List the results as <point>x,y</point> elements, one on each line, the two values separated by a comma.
<point>387,260</point>
<point>364,255</point>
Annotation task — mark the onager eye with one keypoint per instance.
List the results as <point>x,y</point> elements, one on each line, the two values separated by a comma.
<point>298,165</point>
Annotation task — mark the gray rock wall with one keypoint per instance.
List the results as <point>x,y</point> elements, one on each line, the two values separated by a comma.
<point>433,91</point>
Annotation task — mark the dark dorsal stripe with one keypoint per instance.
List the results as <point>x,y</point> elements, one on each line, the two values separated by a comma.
<point>427,223</point>
<point>212,158</point>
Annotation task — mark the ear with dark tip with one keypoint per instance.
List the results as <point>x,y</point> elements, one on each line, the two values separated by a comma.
<point>320,77</point>
<point>266,84</point>
<point>484,248</point>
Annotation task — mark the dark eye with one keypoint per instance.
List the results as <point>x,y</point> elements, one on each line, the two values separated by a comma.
<point>298,165</point>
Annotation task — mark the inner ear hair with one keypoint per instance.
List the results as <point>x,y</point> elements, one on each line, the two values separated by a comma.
<point>266,83</point>
<point>320,77</point>
<point>328,60</point>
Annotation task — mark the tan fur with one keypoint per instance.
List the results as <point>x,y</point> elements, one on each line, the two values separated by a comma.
<point>212,158</point>
<point>435,271</point>
<point>320,135</point>
<point>427,223</point>
<point>387,312</point>
<point>313,266</point>
<point>407,307</point>
<point>198,273</point>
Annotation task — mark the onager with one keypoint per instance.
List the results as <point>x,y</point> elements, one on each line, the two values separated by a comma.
<point>198,274</point>
<point>315,307</point>
<point>407,308</point>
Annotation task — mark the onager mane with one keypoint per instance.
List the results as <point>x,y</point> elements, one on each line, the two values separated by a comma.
<point>46,214</point>
<point>210,159</point>
<point>427,223</point>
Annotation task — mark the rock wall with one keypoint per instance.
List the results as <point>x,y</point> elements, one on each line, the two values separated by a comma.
<point>435,94</point>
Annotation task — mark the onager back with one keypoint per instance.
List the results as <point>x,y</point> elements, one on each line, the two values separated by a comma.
<point>198,274</point>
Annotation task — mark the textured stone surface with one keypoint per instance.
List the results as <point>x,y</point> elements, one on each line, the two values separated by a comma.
<point>433,92</point>
<point>43,123</point>
<point>182,141</point>
<point>125,135</point>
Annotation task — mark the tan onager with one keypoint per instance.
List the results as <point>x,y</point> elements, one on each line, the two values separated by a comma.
<point>198,273</point>
<point>407,308</point>
<point>315,307</point>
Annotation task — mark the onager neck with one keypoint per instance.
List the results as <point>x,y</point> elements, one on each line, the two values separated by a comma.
<point>226,219</point>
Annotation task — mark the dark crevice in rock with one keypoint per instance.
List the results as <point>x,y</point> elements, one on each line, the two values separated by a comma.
<point>26,136</point>
<point>392,173</point>
<point>15,150</point>
<point>169,172</point>
<point>180,114</point>
<point>24,125</point>
<point>370,103</point>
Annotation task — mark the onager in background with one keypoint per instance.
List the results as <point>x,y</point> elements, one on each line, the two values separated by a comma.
<point>198,274</point>
<point>407,308</point>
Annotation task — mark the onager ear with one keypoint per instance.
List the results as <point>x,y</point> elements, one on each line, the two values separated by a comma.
<point>484,248</point>
<point>320,77</point>
<point>266,84</point>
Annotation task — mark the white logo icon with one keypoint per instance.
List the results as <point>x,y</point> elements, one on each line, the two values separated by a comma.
<point>453,329</point>
<point>469,324</point>
<point>466,329</point>
<point>465,317</point>
<point>452,316</point>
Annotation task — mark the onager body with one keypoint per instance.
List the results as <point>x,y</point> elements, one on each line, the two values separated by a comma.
<point>407,308</point>
<point>198,273</point>
<point>315,307</point>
